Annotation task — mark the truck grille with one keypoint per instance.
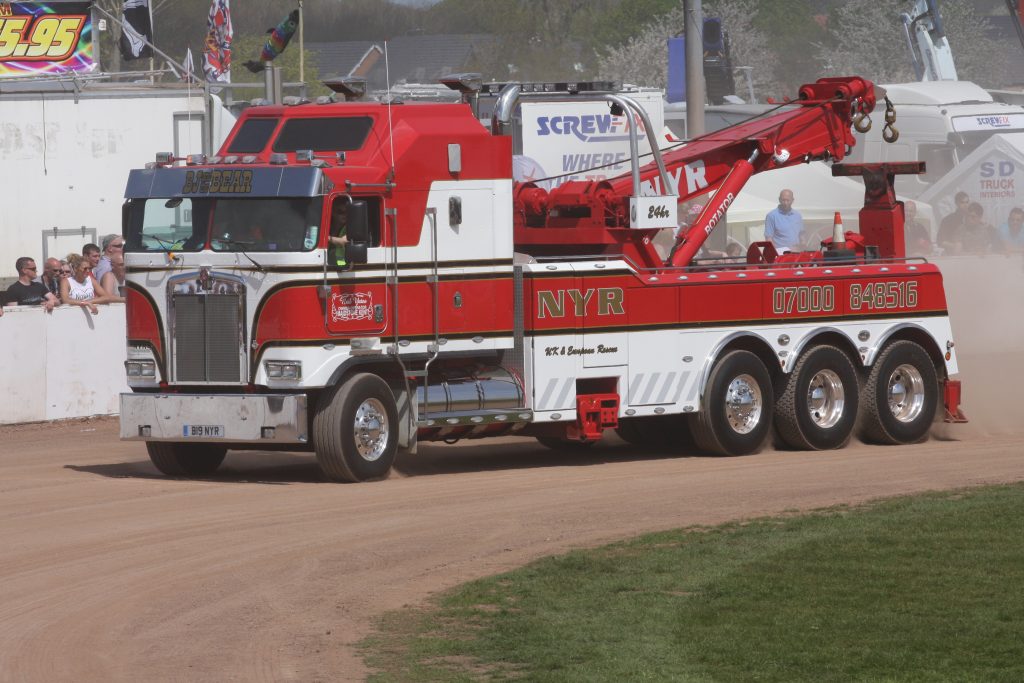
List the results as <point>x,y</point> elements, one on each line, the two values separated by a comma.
<point>207,338</point>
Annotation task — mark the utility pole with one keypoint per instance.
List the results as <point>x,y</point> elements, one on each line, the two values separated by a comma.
<point>694,68</point>
<point>302,49</point>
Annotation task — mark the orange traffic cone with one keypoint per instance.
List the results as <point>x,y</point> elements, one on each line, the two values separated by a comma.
<point>838,234</point>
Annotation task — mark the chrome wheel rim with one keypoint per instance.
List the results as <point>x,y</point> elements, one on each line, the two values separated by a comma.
<point>826,399</point>
<point>371,429</point>
<point>743,404</point>
<point>906,393</point>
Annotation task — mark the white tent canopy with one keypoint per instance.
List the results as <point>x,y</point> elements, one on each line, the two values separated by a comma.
<point>993,175</point>
<point>817,195</point>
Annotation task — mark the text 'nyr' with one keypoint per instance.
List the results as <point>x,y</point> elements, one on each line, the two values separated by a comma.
<point>551,304</point>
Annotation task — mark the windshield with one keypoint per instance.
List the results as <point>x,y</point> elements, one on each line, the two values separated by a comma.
<point>279,224</point>
<point>966,143</point>
<point>187,224</point>
<point>166,224</point>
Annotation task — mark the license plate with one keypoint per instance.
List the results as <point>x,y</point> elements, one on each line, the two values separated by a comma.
<point>205,431</point>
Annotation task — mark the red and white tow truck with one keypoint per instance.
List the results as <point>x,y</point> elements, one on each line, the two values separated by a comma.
<point>466,305</point>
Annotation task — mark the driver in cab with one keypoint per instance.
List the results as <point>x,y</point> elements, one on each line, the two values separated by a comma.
<point>338,238</point>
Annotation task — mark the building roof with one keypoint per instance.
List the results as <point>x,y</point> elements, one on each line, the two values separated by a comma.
<point>411,59</point>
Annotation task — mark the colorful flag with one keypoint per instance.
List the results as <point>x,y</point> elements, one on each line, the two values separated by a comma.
<point>279,38</point>
<point>217,53</point>
<point>137,30</point>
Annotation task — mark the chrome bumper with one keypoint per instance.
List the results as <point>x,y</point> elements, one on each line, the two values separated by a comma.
<point>266,418</point>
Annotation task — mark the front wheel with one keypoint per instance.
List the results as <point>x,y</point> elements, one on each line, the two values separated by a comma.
<point>355,430</point>
<point>736,414</point>
<point>901,395</point>
<point>186,459</point>
<point>817,410</point>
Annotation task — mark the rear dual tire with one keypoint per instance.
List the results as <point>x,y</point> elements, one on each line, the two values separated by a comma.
<point>817,409</point>
<point>901,396</point>
<point>736,415</point>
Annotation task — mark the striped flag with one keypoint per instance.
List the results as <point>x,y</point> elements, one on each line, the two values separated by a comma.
<point>217,52</point>
<point>137,30</point>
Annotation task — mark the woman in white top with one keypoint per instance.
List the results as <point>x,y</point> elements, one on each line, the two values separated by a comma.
<point>81,289</point>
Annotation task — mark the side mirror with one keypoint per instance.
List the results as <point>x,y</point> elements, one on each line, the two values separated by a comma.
<point>355,252</point>
<point>358,229</point>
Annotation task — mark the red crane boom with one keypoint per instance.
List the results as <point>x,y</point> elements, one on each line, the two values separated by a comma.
<point>817,126</point>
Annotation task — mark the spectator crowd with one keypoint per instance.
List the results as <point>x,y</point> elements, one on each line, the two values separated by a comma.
<point>964,231</point>
<point>96,276</point>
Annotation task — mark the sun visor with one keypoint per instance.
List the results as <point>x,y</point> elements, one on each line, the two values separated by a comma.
<point>232,181</point>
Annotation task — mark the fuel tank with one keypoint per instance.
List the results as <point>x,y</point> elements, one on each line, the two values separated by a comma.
<point>465,390</point>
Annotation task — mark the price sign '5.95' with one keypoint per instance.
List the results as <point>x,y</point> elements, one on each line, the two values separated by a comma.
<point>50,37</point>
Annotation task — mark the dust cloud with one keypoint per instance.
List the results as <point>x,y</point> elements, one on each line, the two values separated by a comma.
<point>986,306</point>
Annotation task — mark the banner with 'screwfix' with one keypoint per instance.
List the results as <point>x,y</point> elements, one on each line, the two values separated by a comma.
<point>41,38</point>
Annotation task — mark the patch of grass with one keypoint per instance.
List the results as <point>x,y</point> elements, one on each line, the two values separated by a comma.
<point>923,588</point>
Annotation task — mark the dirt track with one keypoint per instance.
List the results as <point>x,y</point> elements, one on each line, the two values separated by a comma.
<point>110,572</point>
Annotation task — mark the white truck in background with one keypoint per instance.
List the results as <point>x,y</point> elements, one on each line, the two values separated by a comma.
<point>940,123</point>
<point>940,119</point>
<point>556,142</point>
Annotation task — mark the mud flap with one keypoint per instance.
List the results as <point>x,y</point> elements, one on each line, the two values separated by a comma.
<point>951,401</point>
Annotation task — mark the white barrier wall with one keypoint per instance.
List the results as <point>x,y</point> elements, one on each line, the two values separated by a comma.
<point>68,363</point>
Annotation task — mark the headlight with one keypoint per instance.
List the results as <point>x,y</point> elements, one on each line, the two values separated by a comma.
<point>140,368</point>
<point>283,369</point>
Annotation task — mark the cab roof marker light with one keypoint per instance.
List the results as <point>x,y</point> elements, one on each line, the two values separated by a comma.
<point>215,159</point>
<point>231,159</point>
<point>303,155</point>
<point>294,100</point>
<point>195,159</point>
<point>278,158</point>
<point>259,102</point>
<point>249,159</point>
<point>325,99</point>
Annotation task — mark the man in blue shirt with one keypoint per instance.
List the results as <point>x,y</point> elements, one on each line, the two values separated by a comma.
<point>782,226</point>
